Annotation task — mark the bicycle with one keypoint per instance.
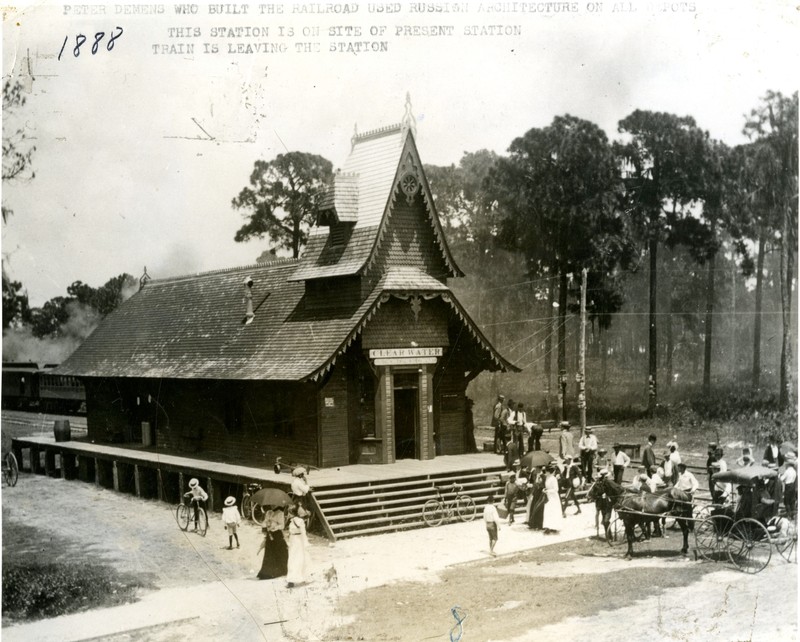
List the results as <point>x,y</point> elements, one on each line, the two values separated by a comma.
<point>10,469</point>
<point>435,510</point>
<point>184,515</point>
<point>250,510</point>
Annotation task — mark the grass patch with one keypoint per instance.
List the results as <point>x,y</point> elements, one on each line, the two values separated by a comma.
<point>37,591</point>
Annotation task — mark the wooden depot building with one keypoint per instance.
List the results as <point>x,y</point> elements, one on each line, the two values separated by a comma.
<point>357,352</point>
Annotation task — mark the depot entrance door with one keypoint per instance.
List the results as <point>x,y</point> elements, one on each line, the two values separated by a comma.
<point>406,415</point>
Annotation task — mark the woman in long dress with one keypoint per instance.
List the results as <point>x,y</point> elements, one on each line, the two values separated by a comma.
<point>299,565</point>
<point>553,516</point>
<point>274,545</point>
<point>536,503</point>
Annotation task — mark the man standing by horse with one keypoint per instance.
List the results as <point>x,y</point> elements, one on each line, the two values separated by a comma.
<point>649,457</point>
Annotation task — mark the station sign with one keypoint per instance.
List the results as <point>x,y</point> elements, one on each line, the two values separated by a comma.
<point>404,353</point>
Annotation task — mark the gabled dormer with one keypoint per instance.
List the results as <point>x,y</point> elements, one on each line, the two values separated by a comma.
<point>379,213</point>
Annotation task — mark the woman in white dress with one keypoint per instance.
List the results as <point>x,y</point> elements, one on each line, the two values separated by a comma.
<point>299,563</point>
<point>553,516</point>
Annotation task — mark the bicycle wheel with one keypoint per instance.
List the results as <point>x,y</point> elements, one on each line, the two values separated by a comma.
<point>182,516</point>
<point>433,512</point>
<point>202,521</point>
<point>247,506</point>
<point>465,507</point>
<point>12,469</point>
<point>259,514</point>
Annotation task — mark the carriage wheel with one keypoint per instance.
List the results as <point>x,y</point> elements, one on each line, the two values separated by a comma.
<point>615,535</point>
<point>786,540</point>
<point>749,546</point>
<point>710,536</point>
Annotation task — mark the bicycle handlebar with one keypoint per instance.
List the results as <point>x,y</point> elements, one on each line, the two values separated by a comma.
<point>455,488</point>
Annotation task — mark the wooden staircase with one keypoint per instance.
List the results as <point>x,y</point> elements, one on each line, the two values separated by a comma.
<point>371,507</point>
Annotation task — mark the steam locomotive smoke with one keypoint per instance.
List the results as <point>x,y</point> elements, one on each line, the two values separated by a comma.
<point>19,344</point>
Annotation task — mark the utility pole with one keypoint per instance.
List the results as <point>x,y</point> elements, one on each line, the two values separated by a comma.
<point>581,376</point>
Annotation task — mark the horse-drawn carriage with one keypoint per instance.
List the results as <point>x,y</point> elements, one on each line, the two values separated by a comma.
<point>747,529</point>
<point>744,531</point>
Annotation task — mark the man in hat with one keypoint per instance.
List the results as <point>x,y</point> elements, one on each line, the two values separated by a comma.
<point>649,457</point>
<point>497,417</point>
<point>712,448</point>
<point>587,445</point>
<point>570,480</point>
<point>621,462</point>
<point>773,457</point>
<point>566,447</point>
<point>687,482</point>
<point>789,479</point>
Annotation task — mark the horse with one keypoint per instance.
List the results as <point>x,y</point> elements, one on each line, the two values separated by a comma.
<point>641,508</point>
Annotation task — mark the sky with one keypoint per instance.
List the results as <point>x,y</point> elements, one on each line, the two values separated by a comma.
<point>139,153</point>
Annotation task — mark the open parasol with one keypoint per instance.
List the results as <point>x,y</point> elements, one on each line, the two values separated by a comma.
<point>535,459</point>
<point>271,497</point>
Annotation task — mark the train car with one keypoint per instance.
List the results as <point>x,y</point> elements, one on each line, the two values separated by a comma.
<point>21,385</point>
<point>61,393</point>
<point>30,386</point>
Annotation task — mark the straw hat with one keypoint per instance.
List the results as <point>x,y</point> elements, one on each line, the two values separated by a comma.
<point>230,501</point>
<point>193,482</point>
<point>299,471</point>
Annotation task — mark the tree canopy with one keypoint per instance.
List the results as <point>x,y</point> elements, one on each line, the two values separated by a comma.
<point>17,151</point>
<point>282,199</point>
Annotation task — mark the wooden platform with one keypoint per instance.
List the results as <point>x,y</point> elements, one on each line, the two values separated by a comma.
<point>348,500</point>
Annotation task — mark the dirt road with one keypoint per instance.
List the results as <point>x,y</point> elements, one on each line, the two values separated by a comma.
<point>400,586</point>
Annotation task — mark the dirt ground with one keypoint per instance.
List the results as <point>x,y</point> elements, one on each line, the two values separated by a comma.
<point>401,586</point>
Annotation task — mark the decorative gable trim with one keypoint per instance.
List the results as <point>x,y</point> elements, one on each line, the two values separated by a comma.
<point>499,363</point>
<point>410,179</point>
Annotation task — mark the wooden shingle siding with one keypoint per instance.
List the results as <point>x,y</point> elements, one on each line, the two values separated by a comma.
<point>394,325</point>
<point>409,240</point>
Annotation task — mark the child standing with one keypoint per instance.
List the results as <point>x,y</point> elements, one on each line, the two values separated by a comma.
<point>231,519</point>
<point>198,495</point>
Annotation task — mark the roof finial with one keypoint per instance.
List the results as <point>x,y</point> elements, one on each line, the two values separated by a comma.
<point>409,122</point>
<point>354,136</point>
<point>144,278</point>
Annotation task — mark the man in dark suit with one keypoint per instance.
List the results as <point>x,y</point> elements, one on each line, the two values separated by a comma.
<point>773,454</point>
<point>649,457</point>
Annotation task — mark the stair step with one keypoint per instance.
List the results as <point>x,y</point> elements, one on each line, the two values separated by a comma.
<point>473,488</point>
<point>425,482</point>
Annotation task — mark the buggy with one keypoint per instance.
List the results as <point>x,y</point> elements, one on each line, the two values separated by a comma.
<point>746,530</point>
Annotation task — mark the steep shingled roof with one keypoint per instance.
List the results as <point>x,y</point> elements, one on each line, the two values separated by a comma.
<point>371,172</point>
<point>193,327</point>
